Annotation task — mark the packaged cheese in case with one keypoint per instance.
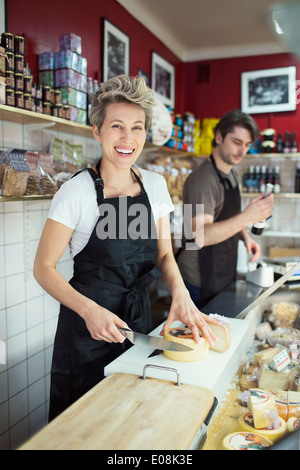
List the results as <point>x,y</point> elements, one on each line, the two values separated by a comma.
<point>263,408</point>
<point>245,441</point>
<point>273,433</point>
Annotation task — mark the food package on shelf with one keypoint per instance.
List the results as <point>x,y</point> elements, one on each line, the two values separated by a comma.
<point>45,166</point>
<point>70,42</point>
<point>70,78</point>
<point>284,314</point>
<point>15,175</point>
<point>33,182</point>
<point>73,157</point>
<point>46,61</point>
<point>70,60</point>
<point>56,149</point>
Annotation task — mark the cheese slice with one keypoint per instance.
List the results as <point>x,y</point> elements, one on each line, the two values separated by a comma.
<point>246,424</point>
<point>245,441</point>
<point>184,336</point>
<point>222,332</point>
<point>293,424</point>
<point>263,408</point>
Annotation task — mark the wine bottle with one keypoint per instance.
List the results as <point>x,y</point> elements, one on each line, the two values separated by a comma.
<point>258,227</point>
<point>279,144</point>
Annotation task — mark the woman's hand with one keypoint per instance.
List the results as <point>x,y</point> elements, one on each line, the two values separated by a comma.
<point>103,324</point>
<point>183,309</point>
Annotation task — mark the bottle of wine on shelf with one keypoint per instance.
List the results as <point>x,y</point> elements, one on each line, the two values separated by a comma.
<point>293,143</point>
<point>287,144</point>
<point>279,144</point>
<point>276,180</point>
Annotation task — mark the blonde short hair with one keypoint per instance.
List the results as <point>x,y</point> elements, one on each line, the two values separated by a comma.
<point>122,89</point>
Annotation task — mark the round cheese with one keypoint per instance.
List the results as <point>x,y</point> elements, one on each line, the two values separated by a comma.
<point>246,424</point>
<point>293,424</point>
<point>245,441</point>
<point>184,336</point>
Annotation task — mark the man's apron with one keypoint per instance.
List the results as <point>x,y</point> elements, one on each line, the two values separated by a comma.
<point>218,262</point>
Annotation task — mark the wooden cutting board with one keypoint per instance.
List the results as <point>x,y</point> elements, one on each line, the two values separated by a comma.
<point>126,412</point>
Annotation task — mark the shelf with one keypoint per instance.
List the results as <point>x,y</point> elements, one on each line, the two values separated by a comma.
<point>273,155</point>
<point>25,198</point>
<point>22,116</point>
<point>283,195</point>
<point>278,234</point>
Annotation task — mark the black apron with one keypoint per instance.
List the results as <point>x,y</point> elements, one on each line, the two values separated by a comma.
<point>115,272</point>
<point>218,262</point>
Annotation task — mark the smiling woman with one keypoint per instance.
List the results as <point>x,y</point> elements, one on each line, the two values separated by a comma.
<point>118,249</point>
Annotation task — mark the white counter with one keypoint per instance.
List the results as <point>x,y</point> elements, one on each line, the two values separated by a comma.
<point>214,372</point>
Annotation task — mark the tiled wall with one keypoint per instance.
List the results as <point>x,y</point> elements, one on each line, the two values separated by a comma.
<point>28,315</point>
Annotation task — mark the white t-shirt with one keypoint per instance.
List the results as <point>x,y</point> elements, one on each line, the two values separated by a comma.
<point>75,205</point>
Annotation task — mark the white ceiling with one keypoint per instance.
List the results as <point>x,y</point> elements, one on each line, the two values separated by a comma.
<point>210,29</point>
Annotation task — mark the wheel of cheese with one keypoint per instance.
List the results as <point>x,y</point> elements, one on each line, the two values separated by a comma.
<point>245,441</point>
<point>184,336</point>
<point>263,407</point>
<point>246,424</point>
<point>222,331</point>
<point>293,424</point>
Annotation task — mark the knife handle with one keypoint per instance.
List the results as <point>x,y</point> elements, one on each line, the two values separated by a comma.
<point>127,332</point>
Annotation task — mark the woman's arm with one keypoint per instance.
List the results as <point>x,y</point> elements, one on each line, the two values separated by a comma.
<point>182,306</point>
<point>100,322</point>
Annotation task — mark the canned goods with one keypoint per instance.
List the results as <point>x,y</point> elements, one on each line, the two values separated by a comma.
<point>10,97</point>
<point>19,99</point>
<point>47,93</point>
<point>27,101</point>
<point>10,63</point>
<point>58,111</point>
<point>66,109</point>
<point>7,41</point>
<point>39,92</point>
<point>19,45</point>
<point>19,82</point>
<point>47,107</point>
<point>10,80</point>
<point>27,84</point>
<point>57,96</point>
<point>38,105</point>
<point>19,64</point>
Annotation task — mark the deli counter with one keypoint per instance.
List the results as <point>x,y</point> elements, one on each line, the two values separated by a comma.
<point>149,402</point>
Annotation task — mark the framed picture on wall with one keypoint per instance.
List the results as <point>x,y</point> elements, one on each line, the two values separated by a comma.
<point>144,75</point>
<point>116,51</point>
<point>269,91</point>
<point>163,80</point>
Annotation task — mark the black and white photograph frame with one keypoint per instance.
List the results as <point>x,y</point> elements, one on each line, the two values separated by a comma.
<point>116,51</point>
<point>163,80</point>
<point>269,90</point>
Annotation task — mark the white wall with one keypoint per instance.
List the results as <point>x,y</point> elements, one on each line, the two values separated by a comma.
<point>28,316</point>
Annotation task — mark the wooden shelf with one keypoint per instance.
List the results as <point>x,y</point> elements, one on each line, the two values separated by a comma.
<point>22,116</point>
<point>26,198</point>
<point>283,195</point>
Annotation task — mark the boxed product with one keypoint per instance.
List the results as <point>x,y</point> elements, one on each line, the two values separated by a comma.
<point>46,78</point>
<point>46,61</point>
<point>78,115</point>
<point>70,42</point>
<point>70,78</point>
<point>73,97</point>
<point>70,60</point>
<point>16,173</point>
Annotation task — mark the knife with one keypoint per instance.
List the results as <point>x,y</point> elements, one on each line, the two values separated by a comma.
<point>270,290</point>
<point>152,342</point>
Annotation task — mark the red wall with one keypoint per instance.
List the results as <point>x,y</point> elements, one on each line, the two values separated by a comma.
<point>223,90</point>
<point>42,23</point>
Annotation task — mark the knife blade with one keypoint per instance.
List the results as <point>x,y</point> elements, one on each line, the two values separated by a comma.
<point>270,290</point>
<point>149,341</point>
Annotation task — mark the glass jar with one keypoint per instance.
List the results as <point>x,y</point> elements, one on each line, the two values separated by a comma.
<point>19,45</point>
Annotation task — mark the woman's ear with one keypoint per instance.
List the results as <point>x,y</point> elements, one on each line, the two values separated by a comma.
<point>96,133</point>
